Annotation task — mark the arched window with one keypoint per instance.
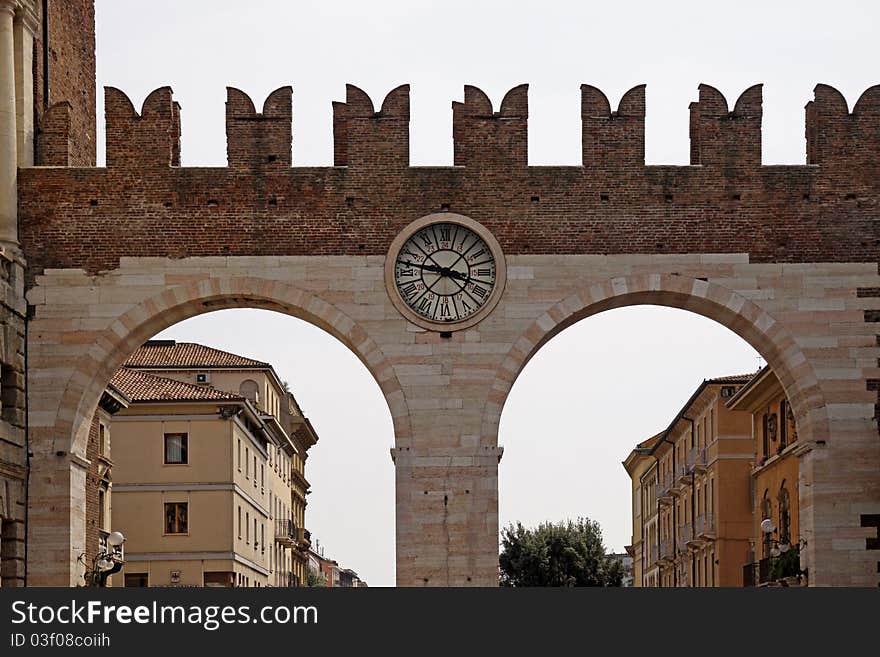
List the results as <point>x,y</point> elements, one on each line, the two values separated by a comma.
<point>784,515</point>
<point>766,512</point>
<point>249,389</point>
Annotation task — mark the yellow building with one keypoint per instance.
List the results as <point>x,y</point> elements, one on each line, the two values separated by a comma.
<point>643,471</point>
<point>204,470</point>
<point>303,436</point>
<point>692,522</point>
<point>773,554</point>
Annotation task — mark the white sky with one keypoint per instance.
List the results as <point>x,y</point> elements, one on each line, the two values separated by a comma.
<point>601,385</point>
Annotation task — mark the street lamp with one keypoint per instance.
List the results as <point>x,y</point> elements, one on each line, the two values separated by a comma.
<point>108,561</point>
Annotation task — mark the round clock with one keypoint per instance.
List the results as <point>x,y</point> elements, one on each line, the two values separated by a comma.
<point>445,272</point>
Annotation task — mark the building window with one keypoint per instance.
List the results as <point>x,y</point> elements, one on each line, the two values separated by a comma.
<point>247,460</point>
<point>176,517</point>
<point>766,512</point>
<point>239,454</point>
<point>249,389</point>
<point>102,516</point>
<point>262,476</point>
<point>784,515</point>
<point>256,540</point>
<point>255,470</point>
<point>247,527</point>
<point>136,579</point>
<point>783,425</point>
<point>239,521</point>
<point>102,439</point>
<point>766,435</point>
<point>262,538</point>
<point>176,451</point>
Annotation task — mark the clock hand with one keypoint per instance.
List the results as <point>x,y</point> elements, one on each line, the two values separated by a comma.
<point>433,268</point>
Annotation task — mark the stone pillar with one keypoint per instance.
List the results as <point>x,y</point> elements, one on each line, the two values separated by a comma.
<point>24,28</point>
<point>12,553</point>
<point>8,136</point>
<point>447,516</point>
<point>56,519</point>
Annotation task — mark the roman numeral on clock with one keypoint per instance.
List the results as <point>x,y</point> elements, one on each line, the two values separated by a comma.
<point>409,290</point>
<point>480,291</point>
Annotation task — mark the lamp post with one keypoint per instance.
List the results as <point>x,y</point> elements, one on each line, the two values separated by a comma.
<point>108,561</point>
<point>780,548</point>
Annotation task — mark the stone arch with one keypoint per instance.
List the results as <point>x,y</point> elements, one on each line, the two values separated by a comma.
<point>175,304</point>
<point>743,317</point>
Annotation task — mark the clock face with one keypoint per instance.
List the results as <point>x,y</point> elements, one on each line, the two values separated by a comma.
<point>445,272</point>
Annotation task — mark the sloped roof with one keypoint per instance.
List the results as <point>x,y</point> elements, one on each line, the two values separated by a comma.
<point>143,387</point>
<point>168,354</point>
<point>733,378</point>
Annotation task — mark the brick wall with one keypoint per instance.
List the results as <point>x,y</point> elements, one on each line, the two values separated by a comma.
<point>71,74</point>
<point>142,205</point>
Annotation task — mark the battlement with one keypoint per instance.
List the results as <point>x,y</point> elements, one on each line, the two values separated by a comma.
<point>148,139</point>
<point>728,141</point>
<point>613,139</point>
<point>837,137</point>
<point>363,137</point>
<point>259,139</point>
<point>482,137</point>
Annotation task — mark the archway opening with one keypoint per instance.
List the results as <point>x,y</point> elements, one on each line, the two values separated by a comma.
<point>589,396</point>
<point>350,500</point>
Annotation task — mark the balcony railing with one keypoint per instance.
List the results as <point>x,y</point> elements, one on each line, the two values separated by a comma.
<point>696,461</point>
<point>706,526</point>
<point>664,485</point>
<point>285,532</point>
<point>667,552</point>
<point>682,537</point>
<point>682,477</point>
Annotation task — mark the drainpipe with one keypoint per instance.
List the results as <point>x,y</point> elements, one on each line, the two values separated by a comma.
<point>693,505</point>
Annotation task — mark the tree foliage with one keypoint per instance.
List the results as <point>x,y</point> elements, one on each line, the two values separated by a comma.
<point>314,578</point>
<point>568,553</point>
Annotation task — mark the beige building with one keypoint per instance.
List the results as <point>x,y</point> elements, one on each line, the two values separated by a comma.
<point>692,521</point>
<point>209,483</point>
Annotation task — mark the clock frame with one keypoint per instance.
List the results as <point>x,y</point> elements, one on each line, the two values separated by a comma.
<point>455,276</point>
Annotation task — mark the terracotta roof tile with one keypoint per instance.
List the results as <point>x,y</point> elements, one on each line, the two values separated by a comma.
<point>169,354</point>
<point>143,387</point>
<point>733,378</point>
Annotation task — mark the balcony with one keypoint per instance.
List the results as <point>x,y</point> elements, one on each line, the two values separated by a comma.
<point>664,485</point>
<point>666,551</point>
<point>303,538</point>
<point>652,554</point>
<point>285,532</point>
<point>683,535</point>
<point>682,479</point>
<point>706,527</point>
<point>696,461</point>
<point>682,474</point>
<point>691,538</point>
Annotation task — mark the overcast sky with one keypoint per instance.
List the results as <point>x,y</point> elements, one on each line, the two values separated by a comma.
<point>580,404</point>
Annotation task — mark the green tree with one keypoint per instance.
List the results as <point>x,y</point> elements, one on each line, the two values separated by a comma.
<point>568,553</point>
<point>314,578</point>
